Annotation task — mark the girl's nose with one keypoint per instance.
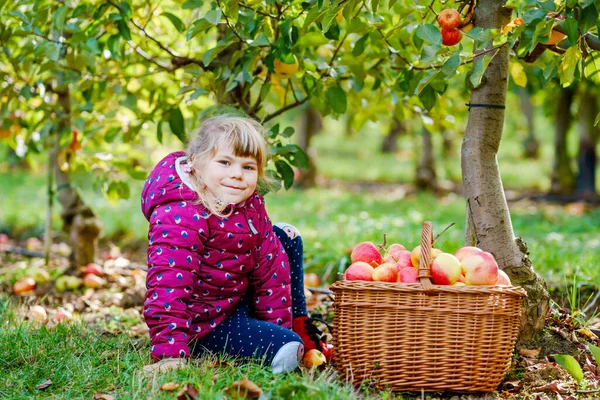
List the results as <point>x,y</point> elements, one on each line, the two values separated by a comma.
<point>235,171</point>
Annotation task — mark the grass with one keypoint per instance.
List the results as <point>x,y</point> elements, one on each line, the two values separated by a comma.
<point>81,362</point>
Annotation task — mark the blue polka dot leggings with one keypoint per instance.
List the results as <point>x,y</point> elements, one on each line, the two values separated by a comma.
<point>240,335</point>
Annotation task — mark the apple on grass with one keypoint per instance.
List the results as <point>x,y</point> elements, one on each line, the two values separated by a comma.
<point>313,358</point>
<point>445,269</point>
<point>386,272</point>
<point>359,271</point>
<point>480,269</point>
<point>24,286</point>
<point>366,252</point>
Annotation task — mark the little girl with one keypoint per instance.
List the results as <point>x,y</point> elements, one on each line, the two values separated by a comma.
<point>221,278</point>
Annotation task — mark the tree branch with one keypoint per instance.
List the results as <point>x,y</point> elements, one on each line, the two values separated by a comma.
<point>284,109</point>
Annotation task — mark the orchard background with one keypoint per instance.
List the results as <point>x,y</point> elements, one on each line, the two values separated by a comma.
<point>377,120</point>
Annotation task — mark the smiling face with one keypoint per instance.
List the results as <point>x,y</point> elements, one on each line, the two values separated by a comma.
<point>228,177</point>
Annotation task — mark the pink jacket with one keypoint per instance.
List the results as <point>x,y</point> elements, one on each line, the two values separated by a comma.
<point>200,266</point>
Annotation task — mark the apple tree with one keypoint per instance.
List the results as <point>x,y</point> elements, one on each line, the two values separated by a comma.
<point>89,84</point>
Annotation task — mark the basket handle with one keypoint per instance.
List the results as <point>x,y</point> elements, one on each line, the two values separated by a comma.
<point>426,245</point>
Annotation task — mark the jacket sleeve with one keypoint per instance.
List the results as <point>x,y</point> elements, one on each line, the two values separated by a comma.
<point>270,277</point>
<point>176,238</point>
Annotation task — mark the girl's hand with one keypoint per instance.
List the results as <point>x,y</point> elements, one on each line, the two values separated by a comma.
<point>166,364</point>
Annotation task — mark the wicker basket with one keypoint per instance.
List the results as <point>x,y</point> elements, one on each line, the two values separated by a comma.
<point>422,336</point>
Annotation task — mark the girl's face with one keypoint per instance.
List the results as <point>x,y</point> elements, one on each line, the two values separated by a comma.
<point>230,178</point>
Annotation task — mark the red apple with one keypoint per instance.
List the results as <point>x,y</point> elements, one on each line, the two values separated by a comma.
<point>62,316</point>
<point>93,268</point>
<point>403,259</point>
<point>24,286</point>
<point>408,275</point>
<point>503,279</point>
<point>312,280</point>
<point>480,269</point>
<point>359,271</point>
<point>392,252</point>
<point>367,252</point>
<point>445,269</point>
<point>93,281</point>
<point>386,272</point>
<point>466,251</point>
<point>314,358</point>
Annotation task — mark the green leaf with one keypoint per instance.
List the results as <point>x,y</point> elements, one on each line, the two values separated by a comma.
<point>595,350</point>
<point>479,67</point>
<point>374,5</point>
<point>286,172</point>
<point>310,83</point>
<point>124,29</point>
<point>313,14</point>
<point>287,132</point>
<point>429,34</point>
<point>328,18</point>
<point>52,50</point>
<point>450,66</point>
<point>175,21</point>
<point>311,39</point>
<point>159,131</point>
<point>197,27</point>
<point>424,82</point>
<point>571,365</point>
<point>566,71</point>
<point>571,26</point>
<point>337,99</point>
<point>517,72</point>
<point>213,16</point>
<point>264,90</point>
<point>592,67</point>
<point>360,45</point>
<point>428,98</point>
<point>299,159</point>
<point>58,17</point>
<point>177,124</point>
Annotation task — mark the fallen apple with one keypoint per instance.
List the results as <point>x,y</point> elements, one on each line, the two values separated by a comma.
<point>314,358</point>
<point>38,313</point>
<point>93,281</point>
<point>24,286</point>
<point>93,268</point>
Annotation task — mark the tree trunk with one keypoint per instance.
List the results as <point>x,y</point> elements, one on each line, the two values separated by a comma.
<point>390,142</point>
<point>488,219</point>
<point>79,221</point>
<point>563,177</point>
<point>531,145</point>
<point>425,177</point>
<point>588,137</point>
<point>311,124</point>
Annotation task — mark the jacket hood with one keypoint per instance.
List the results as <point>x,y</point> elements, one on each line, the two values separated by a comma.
<point>165,185</point>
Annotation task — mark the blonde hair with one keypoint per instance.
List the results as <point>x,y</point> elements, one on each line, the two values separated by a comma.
<point>244,135</point>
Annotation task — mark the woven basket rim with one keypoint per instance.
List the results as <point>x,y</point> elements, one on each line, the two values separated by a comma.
<point>417,287</point>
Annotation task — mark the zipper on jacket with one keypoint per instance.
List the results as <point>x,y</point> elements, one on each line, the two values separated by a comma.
<point>252,228</point>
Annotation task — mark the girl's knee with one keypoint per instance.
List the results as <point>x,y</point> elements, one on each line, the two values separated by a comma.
<point>287,357</point>
<point>290,230</point>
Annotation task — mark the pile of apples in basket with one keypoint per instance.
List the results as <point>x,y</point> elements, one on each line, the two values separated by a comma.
<point>468,266</point>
